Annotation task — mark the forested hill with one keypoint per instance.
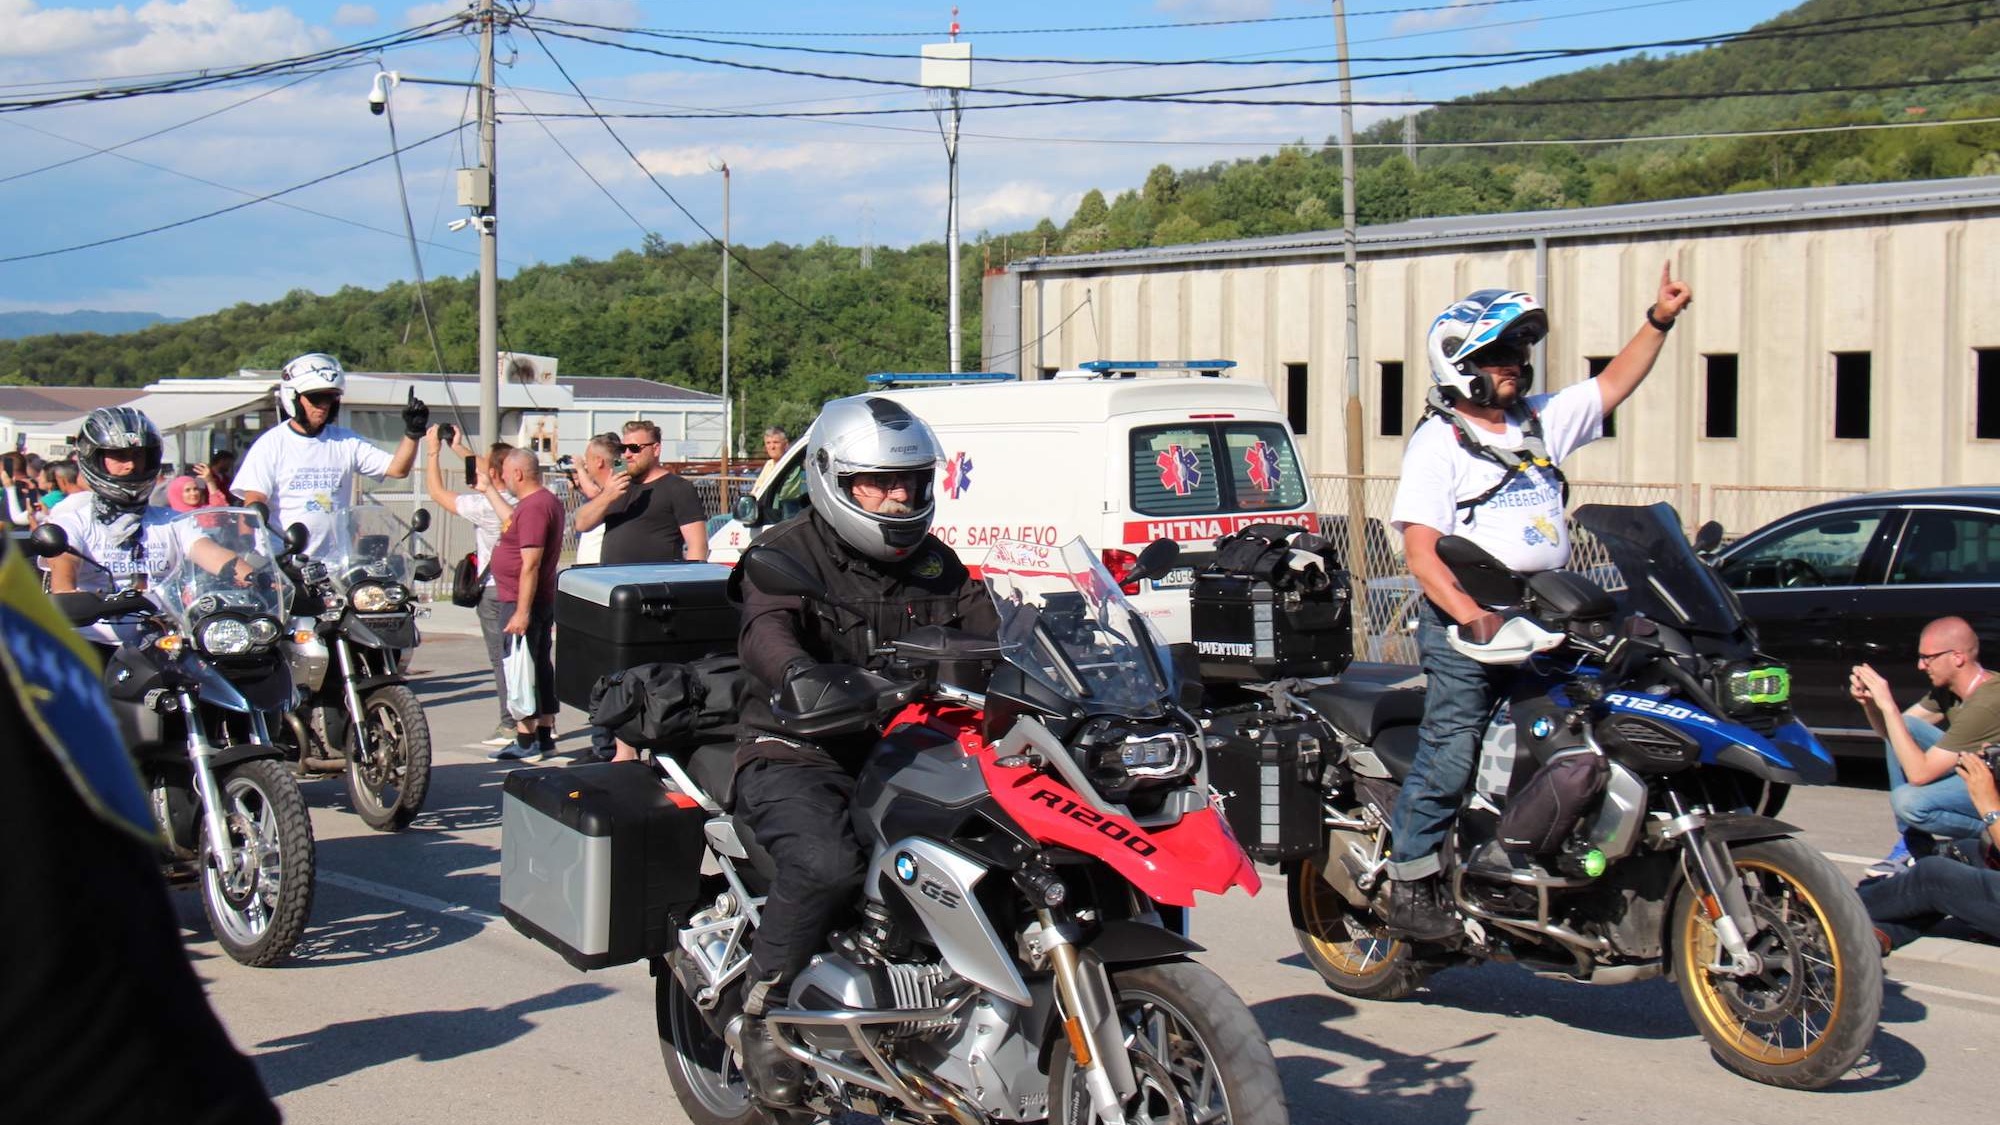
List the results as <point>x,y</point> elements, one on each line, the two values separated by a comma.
<point>654,312</point>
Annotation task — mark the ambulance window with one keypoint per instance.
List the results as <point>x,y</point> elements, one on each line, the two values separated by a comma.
<point>1263,467</point>
<point>1173,471</point>
<point>788,495</point>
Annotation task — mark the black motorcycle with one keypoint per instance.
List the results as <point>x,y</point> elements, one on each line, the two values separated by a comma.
<point>1619,822</point>
<point>357,714</point>
<point>190,681</point>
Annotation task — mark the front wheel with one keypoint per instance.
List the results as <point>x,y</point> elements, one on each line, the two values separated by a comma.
<point>258,912</point>
<point>704,1071</point>
<point>1350,948</point>
<point>1197,1052</point>
<point>1803,1020</point>
<point>388,790</point>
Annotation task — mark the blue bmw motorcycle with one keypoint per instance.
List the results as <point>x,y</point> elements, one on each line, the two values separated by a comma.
<point>1621,823</point>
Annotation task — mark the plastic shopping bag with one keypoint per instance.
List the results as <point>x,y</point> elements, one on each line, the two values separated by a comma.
<point>519,671</point>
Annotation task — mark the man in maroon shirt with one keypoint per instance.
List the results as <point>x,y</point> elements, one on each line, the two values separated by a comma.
<point>524,579</point>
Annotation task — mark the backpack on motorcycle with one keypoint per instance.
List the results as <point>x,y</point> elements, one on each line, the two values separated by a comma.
<point>1266,775</point>
<point>668,708</point>
<point>1273,603</point>
<point>1541,814</point>
<point>599,862</point>
<point>468,582</point>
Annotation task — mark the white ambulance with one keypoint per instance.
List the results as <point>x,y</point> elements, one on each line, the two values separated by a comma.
<point>1119,453</point>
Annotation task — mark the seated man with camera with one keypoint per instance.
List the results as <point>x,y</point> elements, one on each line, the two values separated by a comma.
<point>1966,886</point>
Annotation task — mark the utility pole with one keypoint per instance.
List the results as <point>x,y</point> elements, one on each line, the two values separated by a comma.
<point>1410,137</point>
<point>727,433</point>
<point>1357,498</point>
<point>489,240</point>
<point>946,72</point>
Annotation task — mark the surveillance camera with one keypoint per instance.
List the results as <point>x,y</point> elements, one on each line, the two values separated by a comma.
<point>378,94</point>
<point>458,224</point>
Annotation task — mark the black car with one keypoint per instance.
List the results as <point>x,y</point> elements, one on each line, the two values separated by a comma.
<point>1854,581</point>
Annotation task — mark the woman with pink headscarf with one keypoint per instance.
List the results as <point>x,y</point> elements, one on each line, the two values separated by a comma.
<point>185,494</point>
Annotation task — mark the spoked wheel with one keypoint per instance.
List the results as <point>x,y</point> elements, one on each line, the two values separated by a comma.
<point>1350,948</point>
<point>706,1074</point>
<point>1804,1018</point>
<point>1197,1053</point>
<point>258,911</point>
<point>388,790</point>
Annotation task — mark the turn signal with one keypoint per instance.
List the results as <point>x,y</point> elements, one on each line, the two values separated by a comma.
<point>169,642</point>
<point>302,637</point>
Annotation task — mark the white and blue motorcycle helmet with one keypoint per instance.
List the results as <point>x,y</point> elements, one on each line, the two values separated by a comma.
<point>1478,321</point>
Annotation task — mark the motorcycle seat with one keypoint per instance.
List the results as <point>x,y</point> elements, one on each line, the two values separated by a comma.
<point>1361,710</point>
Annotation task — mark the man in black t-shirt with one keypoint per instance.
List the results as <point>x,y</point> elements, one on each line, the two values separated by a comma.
<point>649,514</point>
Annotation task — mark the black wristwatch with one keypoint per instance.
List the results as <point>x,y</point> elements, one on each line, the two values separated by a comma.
<point>1666,327</point>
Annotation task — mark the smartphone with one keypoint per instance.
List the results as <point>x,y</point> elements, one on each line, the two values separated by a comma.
<point>446,432</point>
<point>471,470</point>
<point>618,464</point>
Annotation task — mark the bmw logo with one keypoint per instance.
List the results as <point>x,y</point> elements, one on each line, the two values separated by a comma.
<point>906,867</point>
<point>1543,727</point>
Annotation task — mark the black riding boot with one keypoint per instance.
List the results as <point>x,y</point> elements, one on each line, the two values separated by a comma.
<point>774,1077</point>
<point>1415,912</point>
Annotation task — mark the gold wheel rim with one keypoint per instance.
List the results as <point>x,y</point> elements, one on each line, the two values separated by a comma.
<point>1325,916</point>
<point>1818,954</point>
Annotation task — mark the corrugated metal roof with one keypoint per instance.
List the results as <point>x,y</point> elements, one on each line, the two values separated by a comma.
<point>581,387</point>
<point>54,404</point>
<point>1747,209</point>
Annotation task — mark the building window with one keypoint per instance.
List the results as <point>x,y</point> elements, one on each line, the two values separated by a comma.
<point>1851,377</point>
<point>1390,374</point>
<point>1597,365</point>
<point>1296,409</point>
<point>1986,408</point>
<point>1721,402</point>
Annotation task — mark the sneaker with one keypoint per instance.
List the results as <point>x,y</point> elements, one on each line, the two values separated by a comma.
<point>1898,858</point>
<point>512,752</point>
<point>501,736</point>
<point>546,752</point>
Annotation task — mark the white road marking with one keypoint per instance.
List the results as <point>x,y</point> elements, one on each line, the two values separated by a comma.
<point>1954,993</point>
<point>1851,860</point>
<point>408,898</point>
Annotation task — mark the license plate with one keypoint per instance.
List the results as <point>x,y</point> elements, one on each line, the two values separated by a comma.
<point>1179,578</point>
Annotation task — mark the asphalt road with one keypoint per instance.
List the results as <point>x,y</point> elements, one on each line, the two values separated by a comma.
<point>410,999</point>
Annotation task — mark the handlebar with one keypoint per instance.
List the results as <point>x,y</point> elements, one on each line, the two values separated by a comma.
<point>82,608</point>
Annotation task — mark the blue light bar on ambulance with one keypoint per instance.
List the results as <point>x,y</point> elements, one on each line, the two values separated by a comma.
<point>1107,367</point>
<point>936,378</point>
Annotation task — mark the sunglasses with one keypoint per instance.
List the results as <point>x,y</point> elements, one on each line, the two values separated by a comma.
<point>638,447</point>
<point>322,398</point>
<point>1501,354</point>
<point>887,482</point>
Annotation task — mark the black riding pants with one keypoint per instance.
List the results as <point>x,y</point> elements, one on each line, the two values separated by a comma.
<point>798,809</point>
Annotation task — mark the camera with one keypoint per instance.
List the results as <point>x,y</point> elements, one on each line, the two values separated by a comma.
<point>446,432</point>
<point>378,94</point>
<point>1990,754</point>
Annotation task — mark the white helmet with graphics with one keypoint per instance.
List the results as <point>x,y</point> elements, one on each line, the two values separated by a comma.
<point>871,434</point>
<point>1498,319</point>
<point>310,373</point>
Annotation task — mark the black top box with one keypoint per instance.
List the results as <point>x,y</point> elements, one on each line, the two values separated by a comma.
<point>610,618</point>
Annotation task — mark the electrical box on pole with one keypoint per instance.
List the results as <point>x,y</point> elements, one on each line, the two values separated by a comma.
<point>475,188</point>
<point>946,66</point>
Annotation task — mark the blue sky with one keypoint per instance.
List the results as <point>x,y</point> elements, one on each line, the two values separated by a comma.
<point>795,180</point>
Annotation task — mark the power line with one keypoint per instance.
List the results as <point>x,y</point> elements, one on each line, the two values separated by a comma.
<point>233,207</point>
<point>417,261</point>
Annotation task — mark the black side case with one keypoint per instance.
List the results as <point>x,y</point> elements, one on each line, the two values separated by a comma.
<point>610,618</point>
<point>599,862</point>
<point>1253,615</point>
<point>1267,773</point>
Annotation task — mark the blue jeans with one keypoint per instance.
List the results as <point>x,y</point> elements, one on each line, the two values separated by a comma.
<point>1906,904</point>
<point>1459,693</point>
<point>1941,809</point>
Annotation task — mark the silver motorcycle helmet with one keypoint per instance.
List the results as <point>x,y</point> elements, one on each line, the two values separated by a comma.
<point>871,434</point>
<point>127,431</point>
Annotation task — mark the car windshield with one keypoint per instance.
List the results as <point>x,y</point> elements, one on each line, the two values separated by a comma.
<point>223,561</point>
<point>370,544</point>
<point>1663,577</point>
<point>1064,622</point>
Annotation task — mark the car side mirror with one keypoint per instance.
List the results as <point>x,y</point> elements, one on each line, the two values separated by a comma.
<point>748,510</point>
<point>263,511</point>
<point>775,572</point>
<point>296,537</point>
<point>1707,538</point>
<point>48,541</point>
<point>1154,560</point>
<point>420,521</point>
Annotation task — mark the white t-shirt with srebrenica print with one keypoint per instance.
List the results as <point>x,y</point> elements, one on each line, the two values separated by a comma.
<point>1523,525</point>
<point>132,545</point>
<point>309,478</point>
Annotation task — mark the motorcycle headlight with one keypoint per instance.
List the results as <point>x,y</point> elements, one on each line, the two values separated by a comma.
<point>263,631</point>
<point>398,595</point>
<point>370,598</point>
<point>1147,754</point>
<point>225,636</point>
<point>1757,687</point>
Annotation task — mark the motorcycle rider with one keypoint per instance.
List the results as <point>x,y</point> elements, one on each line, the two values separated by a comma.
<point>870,467</point>
<point>305,468</point>
<point>1484,465</point>
<point>112,523</point>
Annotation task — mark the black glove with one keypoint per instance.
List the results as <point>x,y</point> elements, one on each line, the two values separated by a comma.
<point>416,417</point>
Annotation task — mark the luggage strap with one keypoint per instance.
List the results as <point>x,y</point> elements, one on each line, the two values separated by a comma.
<point>1533,453</point>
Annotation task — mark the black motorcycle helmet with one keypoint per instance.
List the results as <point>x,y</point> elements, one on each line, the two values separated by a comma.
<point>119,429</point>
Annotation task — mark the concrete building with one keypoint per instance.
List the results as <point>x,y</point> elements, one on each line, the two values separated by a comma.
<point>1841,338</point>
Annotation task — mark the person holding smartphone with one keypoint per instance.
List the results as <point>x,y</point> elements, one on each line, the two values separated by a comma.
<point>649,514</point>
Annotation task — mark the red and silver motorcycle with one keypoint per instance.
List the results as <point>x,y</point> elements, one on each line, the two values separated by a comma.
<point>1019,952</point>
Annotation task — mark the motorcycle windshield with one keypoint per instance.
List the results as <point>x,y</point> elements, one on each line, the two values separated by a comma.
<point>223,561</point>
<point>1064,622</point>
<point>1664,579</point>
<point>370,544</point>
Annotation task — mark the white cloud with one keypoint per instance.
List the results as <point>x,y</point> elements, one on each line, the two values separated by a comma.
<point>355,15</point>
<point>1016,203</point>
<point>824,161</point>
<point>1457,14</point>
